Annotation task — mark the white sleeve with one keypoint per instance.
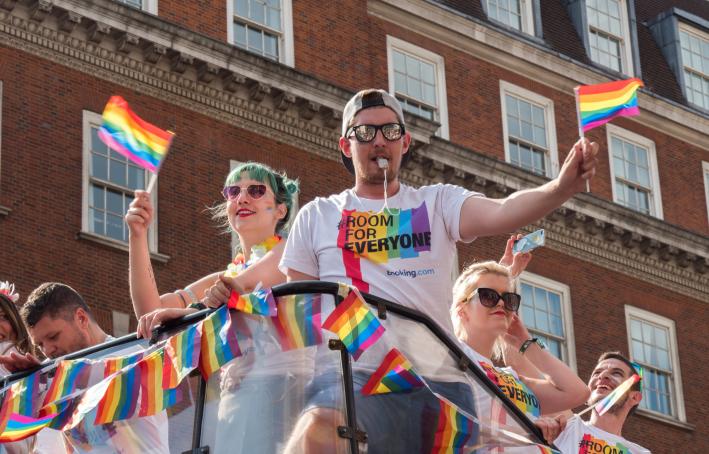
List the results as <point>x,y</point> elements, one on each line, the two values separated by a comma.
<point>299,254</point>
<point>450,203</point>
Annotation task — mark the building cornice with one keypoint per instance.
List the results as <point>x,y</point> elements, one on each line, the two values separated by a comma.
<point>205,76</point>
<point>533,61</point>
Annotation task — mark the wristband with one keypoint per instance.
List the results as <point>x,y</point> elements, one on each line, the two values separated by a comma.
<point>198,306</point>
<point>529,342</point>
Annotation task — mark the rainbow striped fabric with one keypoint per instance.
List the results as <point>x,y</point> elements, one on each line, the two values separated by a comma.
<point>395,374</point>
<point>21,398</point>
<point>63,410</point>
<point>218,342</point>
<point>20,427</point>
<point>605,404</point>
<point>181,356</point>
<point>120,400</point>
<point>599,104</point>
<point>260,302</point>
<point>298,321</point>
<point>153,398</point>
<point>454,430</point>
<point>355,325</point>
<point>70,375</point>
<point>126,133</point>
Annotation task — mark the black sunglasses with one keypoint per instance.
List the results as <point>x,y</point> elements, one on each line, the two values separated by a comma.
<point>489,298</point>
<point>255,191</point>
<point>367,133</point>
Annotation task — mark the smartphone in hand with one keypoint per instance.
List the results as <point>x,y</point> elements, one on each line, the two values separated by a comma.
<point>529,242</point>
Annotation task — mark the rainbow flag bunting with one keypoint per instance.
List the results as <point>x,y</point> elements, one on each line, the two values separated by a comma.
<point>181,356</point>
<point>599,104</point>
<point>20,427</point>
<point>70,375</point>
<point>605,404</point>
<point>120,400</point>
<point>153,398</point>
<point>21,398</point>
<point>355,325</point>
<point>218,342</point>
<point>260,302</point>
<point>126,133</point>
<point>454,430</point>
<point>395,374</point>
<point>298,321</point>
<point>63,410</point>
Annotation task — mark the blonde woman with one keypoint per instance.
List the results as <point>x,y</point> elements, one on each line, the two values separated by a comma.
<point>485,318</point>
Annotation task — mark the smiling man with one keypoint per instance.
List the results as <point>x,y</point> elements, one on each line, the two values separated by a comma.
<point>603,433</point>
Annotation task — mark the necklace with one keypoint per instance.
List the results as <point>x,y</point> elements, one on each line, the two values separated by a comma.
<point>239,264</point>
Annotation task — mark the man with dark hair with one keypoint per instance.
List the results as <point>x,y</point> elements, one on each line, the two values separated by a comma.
<point>603,432</point>
<point>60,322</point>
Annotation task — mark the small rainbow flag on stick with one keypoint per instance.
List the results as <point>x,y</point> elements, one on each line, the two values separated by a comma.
<point>260,302</point>
<point>605,404</point>
<point>20,427</point>
<point>599,104</point>
<point>355,325</point>
<point>395,374</point>
<point>136,139</point>
<point>298,323</point>
<point>218,342</point>
<point>181,356</point>
<point>454,430</point>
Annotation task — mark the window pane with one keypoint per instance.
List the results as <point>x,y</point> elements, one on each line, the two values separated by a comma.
<point>638,353</point>
<point>240,34</point>
<point>96,222</point>
<point>99,166</point>
<point>241,7</point>
<point>114,227</point>
<point>97,145</point>
<point>136,177</point>
<point>255,40</point>
<point>117,172</point>
<point>96,196</point>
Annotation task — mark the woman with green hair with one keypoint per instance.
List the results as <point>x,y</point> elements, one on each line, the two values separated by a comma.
<point>257,206</point>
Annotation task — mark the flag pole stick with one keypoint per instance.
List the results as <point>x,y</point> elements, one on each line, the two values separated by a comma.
<point>151,183</point>
<point>581,135</point>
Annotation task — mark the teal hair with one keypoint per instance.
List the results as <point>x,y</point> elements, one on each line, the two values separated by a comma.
<point>283,187</point>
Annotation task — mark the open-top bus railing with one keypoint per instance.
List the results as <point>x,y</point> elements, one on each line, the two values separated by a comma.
<point>259,401</point>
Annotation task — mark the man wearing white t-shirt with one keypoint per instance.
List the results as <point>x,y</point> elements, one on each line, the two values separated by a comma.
<point>399,242</point>
<point>603,433</point>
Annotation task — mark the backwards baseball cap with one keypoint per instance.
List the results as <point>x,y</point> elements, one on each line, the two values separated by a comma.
<point>363,100</point>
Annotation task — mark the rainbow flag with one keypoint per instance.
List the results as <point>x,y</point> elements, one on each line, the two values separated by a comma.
<point>605,404</point>
<point>153,398</point>
<point>259,302</point>
<point>63,409</point>
<point>70,375</point>
<point>20,427</point>
<point>599,104</point>
<point>454,430</point>
<point>126,133</point>
<point>298,322</point>
<point>181,356</point>
<point>120,400</point>
<point>21,398</point>
<point>395,374</point>
<point>218,344</point>
<point>355,325</point>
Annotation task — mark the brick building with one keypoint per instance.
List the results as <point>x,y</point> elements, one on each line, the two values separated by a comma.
<point>488,85</point>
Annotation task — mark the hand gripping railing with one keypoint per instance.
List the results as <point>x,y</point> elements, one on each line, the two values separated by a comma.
<point>349,431</point>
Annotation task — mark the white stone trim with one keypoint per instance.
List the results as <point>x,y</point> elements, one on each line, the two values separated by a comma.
<point>629,136</point>
<point>548,106</point>
<point>94,119</point>
<point>566,313</point>
<point>430,57</point>
<point>641,314</point>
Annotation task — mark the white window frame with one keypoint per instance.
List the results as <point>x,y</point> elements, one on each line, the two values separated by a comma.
<point>430,57</point>
<point>566,313</point>
<point>637,313</point>
<point>629,136</point>
<point>548,105</point>
<point>527,21</point>
<point>233,164</point>
<point>690,31</point>
<point>94,119</point>
<point>626,53</point>
<point>705,176</point>
<point>149,6</point>
<point>286,50</point>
